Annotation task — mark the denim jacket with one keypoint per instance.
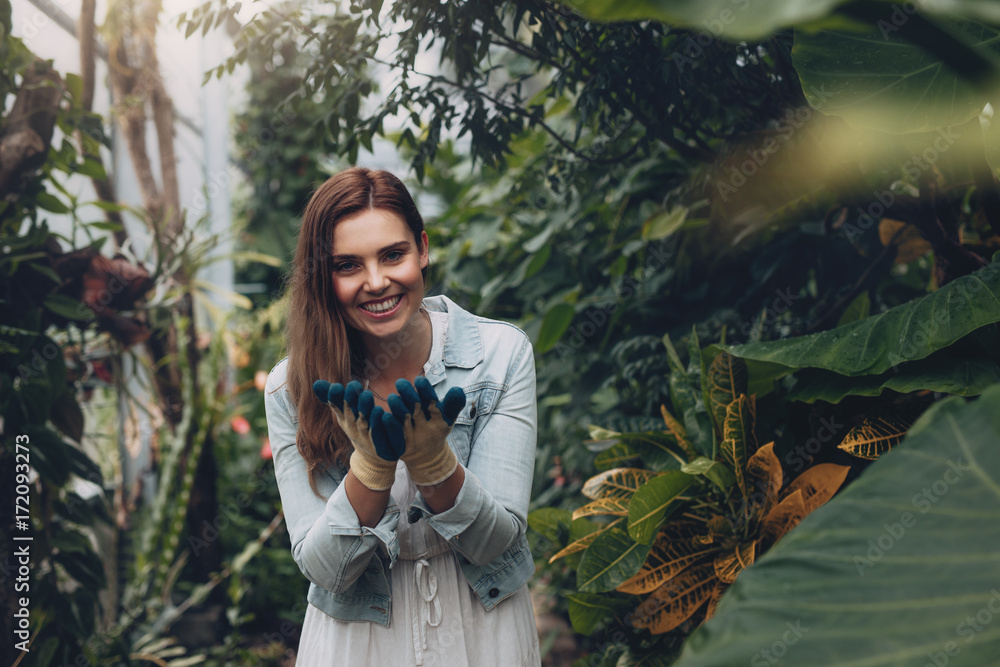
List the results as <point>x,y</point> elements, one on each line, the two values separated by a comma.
<point>493,437</point>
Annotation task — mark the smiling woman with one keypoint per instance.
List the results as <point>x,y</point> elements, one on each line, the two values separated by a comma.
<point>427,590</point>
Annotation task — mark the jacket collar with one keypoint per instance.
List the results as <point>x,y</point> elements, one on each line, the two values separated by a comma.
<point>463,347</point>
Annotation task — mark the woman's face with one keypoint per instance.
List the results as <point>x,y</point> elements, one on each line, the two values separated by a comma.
<point>376,272</point>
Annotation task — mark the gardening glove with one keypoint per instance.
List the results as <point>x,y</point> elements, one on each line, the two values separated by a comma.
<point>422,427</point>
<point>373,461</point>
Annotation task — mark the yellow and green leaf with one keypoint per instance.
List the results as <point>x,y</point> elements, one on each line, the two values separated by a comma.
<point>654,501</point>
<point>818,484</point>
<point>727,380</point>
<point>677,600</point>
<point>729,565</point>
<point>617,483</point>
<point>875,436</point>
<point>674,550</point>
<point>613,506</point>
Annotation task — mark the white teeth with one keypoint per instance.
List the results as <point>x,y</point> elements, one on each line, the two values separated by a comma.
<point>382,307</point>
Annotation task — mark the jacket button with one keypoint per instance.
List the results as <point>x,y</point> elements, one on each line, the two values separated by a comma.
<point>472,412</point>
<point>494,592</point>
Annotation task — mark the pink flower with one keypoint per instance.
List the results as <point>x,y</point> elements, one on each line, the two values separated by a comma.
<point>265,450</point>
<point>240,425</point>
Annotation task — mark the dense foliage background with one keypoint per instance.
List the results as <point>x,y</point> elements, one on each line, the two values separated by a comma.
<point>753,245</point>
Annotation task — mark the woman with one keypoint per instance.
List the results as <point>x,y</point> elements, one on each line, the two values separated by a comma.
<point>412,562</point>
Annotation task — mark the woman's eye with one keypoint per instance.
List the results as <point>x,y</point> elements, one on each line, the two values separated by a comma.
<point>343,266</point>
<point>393,255</point>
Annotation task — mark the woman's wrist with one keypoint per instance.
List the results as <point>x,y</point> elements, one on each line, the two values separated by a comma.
<point>368,504</point>
<point>441,497</point>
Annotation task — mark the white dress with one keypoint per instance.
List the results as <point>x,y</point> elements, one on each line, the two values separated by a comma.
<point>437,621</point>
<point>436,618</point>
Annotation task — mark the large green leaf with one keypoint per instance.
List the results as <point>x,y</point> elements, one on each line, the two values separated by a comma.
<point>653,502</point>
<point>907,332</point>
<point>881,80</point>
<point>733,19</point>
<point>609,560</point>
<point>687,399</point>
<point>554,325</point>
<point>901,568</point>
<point>944,373</point>
<point>586,610</point>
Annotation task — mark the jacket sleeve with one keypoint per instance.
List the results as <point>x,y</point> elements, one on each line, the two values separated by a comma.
<point>329,544</point>
<point>491,510</point>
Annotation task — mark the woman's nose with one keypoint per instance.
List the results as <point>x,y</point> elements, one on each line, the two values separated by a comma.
<point>375,280</point>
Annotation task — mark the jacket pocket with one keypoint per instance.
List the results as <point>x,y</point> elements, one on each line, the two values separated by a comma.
<point>478,403</point>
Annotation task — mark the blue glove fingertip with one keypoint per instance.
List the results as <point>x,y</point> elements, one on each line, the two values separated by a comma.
<point>409,395</point>
<point>452,404</point>
<point>428,396</point>
<point>379,436</point>
<point>321,388</point>
<point>394,429</point>
<point>366,403</point>
<point>335,396</point>
<point>398,407</point>
<point>351,394</point>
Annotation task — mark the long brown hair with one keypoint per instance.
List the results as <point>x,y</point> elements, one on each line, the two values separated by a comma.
<point>320,344</point>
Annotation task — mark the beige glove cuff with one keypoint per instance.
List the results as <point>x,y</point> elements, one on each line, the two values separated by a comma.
<point>432,467</point>
<point>375,473</point>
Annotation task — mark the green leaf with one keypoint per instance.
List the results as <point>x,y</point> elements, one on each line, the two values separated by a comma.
<point>686,398</point>
<point>45,271</point>
<point>858,309</point>
<point>50,203</point>
<point>556,321</point>
<point>84,467</point>
<point>940,373</point>
<point>106,226</point>
<point>879,80</point>
<point>727,380</point>
<point>109,206</point>
<point>658,450</point>
<point>586,610</point>
<point>538,260</point>
<point>611,559</point>
<point>74,84</point>
<point>67,416</point>
<point>653,502</point>
<point>901,561</point>
<point>619,455</point>
<point>663,224</point>
<point>93,168</point>
<point>551,523</point>
<point>732,19</point>
<point>718,473</point>
<point>68,307</point>
<point>49,455</point>
<point>907,332</point>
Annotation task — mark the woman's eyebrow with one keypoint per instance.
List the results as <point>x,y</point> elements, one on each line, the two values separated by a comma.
<point>399,245</point>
